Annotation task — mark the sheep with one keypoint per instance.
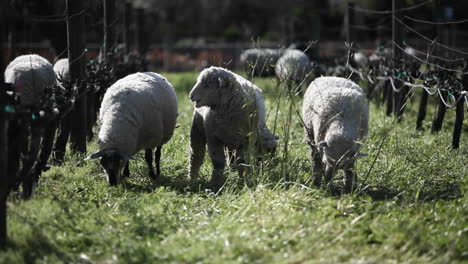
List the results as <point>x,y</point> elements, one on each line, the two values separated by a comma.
<point>360,59</point>
<point>293,66</point>
<point>380,54</point>
<point>61,69</point>
<point>229,111</point>
<point>336,116</point>
<point>29,74</point>
<point>137,112</point>
<point>260,62</point>
<point>411,52</point>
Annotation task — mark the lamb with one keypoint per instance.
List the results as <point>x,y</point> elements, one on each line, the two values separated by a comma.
<point>137,112</point>
<point>229,111</point>
<point>336,115</point>
<point>260,62</point>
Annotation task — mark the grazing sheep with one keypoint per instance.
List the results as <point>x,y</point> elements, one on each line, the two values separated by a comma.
<point>260,62</point>
<point>228,111</point>
<point>61,69</point>
<point>360,59</point>
<point>293,66</point>
<point>380,54</point>
<point>30,74</point>
<point>336,115</point>
<point>62,72</point>
<point>137,112</point>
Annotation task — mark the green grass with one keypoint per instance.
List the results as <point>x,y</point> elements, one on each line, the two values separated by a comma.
<point>413,208</point>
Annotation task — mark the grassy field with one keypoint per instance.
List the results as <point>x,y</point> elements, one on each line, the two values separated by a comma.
<point>411,205</point>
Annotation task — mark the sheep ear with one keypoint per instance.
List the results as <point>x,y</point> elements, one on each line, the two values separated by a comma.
<point>277,137</point>
<point>95,155</point>
<point>322,144</point>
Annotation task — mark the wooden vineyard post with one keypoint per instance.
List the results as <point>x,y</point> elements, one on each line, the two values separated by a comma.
<point>3,171</point>
<point>3,140</point>
<point>459,112</point>
<point>109,25</point>
<point>440,114</point>
<point>422,109</point>
<point>126,26</point>
<point>424,94</point>
<point>76,58</point>
<point>398,93</point>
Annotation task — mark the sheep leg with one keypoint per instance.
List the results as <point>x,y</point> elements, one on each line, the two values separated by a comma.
<point>26,175</point>
<point>197,146</point>
<point>350,183</point>
<point>316,159</point>
<point>149,161</point>
<point>48,142</point>
<point>240,162</point>
<point>216,150</point>
<point>126,171</point>
<point>329,172</point>
<point>157,160</point>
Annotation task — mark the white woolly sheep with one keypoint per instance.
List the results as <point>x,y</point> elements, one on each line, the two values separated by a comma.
<point>228,109</point>
<point>137,112</point>
<point>260,62</point>
<point>380,54</point>
<point>360,59</point>
<point>336,116</point>
<point>30,74</point>
<point>293,66</point>
<point>61,69</point>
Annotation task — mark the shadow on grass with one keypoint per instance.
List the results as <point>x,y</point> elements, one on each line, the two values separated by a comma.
<point>444,191</point>
<point>180,183</point>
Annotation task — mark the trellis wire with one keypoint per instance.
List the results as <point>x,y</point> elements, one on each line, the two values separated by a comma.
<point>436,23</point>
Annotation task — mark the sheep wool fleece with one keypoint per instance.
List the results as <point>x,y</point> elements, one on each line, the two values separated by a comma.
<point>137,112</point>
<point>335,110</point>
<point>30,74</point>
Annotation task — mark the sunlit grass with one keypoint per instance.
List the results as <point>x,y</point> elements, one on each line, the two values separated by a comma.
<point>413,208</point>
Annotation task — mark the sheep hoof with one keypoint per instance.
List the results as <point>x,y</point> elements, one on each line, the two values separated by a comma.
<point>193,176</point>
<point>217,183</point>
<point>153,175</point>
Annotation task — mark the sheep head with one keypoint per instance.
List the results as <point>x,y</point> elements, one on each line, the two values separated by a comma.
<point>112,162</point>
<point>212,83</point>
<point>267,141</point>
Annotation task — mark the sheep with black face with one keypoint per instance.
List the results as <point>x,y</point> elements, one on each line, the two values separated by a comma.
<point>137,112</point>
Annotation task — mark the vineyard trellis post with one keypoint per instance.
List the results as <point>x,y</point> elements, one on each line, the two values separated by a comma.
<point>349,18</point>
<point>109,28</point>
<point>459,112</point>
<point>140,30</point>
<point>422,111</point>
<point>76,58</point>
<point>3,140</point>
<point>126,26</point>
<point>398,93</point>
